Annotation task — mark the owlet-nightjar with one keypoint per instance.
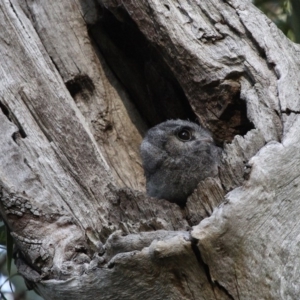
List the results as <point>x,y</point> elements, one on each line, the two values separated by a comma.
<point>176,156</point>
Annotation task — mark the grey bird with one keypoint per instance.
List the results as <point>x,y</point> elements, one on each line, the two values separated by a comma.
<point>176,156</point>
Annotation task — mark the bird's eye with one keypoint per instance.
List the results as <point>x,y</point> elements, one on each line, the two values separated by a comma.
<point>184,135</point>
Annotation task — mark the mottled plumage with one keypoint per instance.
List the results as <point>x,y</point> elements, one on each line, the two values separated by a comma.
<point>177,155</point>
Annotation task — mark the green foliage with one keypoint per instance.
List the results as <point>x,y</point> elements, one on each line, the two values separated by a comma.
<point>9,270</point>
<point>6,243</point>
<point>285,14</point>
<point>9,249</point>
<point>2,235</point>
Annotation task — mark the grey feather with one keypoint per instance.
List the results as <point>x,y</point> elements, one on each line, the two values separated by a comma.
<point>176,156</point>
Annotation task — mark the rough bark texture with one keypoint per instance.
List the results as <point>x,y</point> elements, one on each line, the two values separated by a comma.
<point>80,83</point>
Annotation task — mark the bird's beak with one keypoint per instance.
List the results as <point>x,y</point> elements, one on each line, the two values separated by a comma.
<point>207,140</point>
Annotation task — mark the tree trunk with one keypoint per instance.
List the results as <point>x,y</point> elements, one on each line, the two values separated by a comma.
<point>80,83</point>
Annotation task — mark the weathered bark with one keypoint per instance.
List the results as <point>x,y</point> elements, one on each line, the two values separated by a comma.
<point>80,83</point>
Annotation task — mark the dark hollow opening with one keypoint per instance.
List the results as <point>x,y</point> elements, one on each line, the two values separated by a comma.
<point>140,68</point>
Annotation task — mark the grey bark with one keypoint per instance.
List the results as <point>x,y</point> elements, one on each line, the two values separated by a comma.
<point>76,100</point>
